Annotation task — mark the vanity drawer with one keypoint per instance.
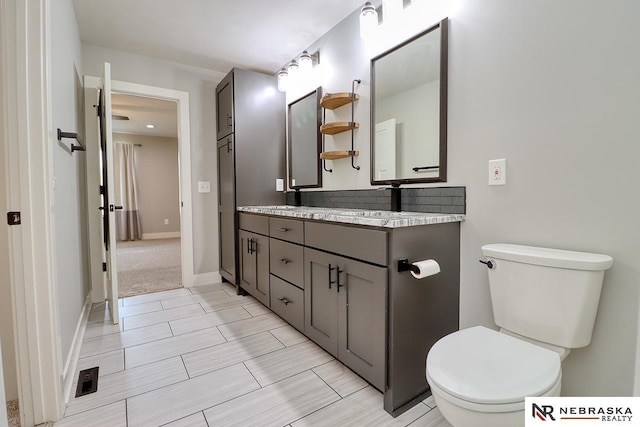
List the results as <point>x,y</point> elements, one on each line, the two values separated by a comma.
<point>360,243</point>
<point>287,301</point>
<point>286,261</point>
<point>291,230</point>
<point>256,223</point>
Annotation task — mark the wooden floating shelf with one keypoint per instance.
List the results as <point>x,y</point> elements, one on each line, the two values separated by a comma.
<point>340,154</point>
<point>331,101</point>
<point>338,127</point>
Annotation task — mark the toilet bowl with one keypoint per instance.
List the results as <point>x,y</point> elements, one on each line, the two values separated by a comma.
<point>480,377</point>
<point>545,302</point>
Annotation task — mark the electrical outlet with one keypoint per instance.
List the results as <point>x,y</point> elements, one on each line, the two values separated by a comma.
<point>498,172</point>
<point>166,221</point>
<point>204,187</point>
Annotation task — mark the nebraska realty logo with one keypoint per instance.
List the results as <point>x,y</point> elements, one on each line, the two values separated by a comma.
<point>582,411</point>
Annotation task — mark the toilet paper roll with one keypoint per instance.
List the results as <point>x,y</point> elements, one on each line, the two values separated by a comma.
<point>427,267</point>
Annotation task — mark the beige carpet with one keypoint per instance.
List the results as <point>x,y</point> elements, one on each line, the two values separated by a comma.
<point>146,266</point>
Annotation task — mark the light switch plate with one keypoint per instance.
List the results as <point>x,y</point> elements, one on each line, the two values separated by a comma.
<point>498,172</point>
<point>279,184</point>
<point>204,187</point>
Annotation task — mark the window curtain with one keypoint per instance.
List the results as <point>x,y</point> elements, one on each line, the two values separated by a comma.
<point>126,193</point>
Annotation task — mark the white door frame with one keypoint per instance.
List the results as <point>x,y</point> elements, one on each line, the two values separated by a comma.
<point>184,162</point>
<point>28,137</point>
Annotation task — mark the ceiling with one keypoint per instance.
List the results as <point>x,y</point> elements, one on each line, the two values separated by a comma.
<point>142,111</point>
<point>214,34</point>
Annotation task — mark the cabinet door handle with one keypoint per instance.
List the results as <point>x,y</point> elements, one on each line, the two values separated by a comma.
<point>285,261</point>
<point>229,148</point>
<point>330,281</point>
<point>249,246</point>
<point>284,300</point>
<point>338,277</point>
<point>229,123</point>
<point>282,229</point>
<point>254,245</point>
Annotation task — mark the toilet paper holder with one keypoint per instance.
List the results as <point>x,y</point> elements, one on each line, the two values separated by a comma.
<point>405,265</point>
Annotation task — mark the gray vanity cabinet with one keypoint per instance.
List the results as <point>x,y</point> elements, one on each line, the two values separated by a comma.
<point>345,311</point>
<point>226,206</point>
<point>254,257</point>
<point>224,102</point>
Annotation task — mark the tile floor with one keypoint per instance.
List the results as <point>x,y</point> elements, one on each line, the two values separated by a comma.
<point>206,357</point>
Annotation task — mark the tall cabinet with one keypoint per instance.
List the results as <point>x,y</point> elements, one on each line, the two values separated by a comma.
<point>250,123</point>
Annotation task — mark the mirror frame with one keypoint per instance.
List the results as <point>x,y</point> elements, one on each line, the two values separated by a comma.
<point>318,94</point>
<point>444,49</point>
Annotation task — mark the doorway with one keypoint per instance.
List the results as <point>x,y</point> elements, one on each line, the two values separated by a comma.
<point>146,172</point>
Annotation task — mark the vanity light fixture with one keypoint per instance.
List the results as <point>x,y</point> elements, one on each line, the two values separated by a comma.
<point>368,20</point>
<point>391,10</point>
<point>150,126</point>
<point>306,62</point>
<point>293,69</point>
<point>283,78</point>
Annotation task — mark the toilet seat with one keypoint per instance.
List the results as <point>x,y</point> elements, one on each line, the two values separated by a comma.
<point>491,371</point>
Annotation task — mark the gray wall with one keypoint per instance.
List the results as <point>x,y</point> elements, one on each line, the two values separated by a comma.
<point>552,87</point>
<point>157,177</point>
<point>69,195</point>
<point>201,85</point>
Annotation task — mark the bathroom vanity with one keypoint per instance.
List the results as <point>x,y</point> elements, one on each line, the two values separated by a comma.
<point>333,275</point>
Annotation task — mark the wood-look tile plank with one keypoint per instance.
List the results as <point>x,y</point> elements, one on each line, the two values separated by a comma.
<point>99,316</point>
<point>108,363</point>
<point>156,296</point>
<point>131,382</point>
<point>172,346</point>
<point>340,378</point>
<point>362,408</point>
<point>148,319</point>
<point>194,299</point>
<point>430,402</point>
<point>288,335</point>
<point>100,329</point>
<point>257,309</point>
<point>208,320</point>
<point>134,310</point>
<point>105,343</point>
<point>275,405</point>
<point>289,361</point>
<point>255,325</point>
<point>433,418</point>
<point>188,397</point>
<point>223,355</point>
<point>113,415</point>
<point>195,420</point>
<point>232,301</point>
<point>200,289</point>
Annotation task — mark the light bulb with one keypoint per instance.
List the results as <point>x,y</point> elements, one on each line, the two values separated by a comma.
<point>306,62</point>
<point>283,78</point>
<point>293,69</point>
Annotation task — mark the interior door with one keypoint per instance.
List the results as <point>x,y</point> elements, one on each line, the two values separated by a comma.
<point>109,193</point>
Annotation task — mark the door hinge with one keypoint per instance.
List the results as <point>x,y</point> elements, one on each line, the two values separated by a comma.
<point>104,266</point>
<point>102,189</point>
<point>14,218</point>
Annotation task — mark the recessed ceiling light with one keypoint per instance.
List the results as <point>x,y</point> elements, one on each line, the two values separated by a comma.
<point>150,126</point>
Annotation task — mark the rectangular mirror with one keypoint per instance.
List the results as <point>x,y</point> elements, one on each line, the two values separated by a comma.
<point>305,141</point>
<point>409,110</point>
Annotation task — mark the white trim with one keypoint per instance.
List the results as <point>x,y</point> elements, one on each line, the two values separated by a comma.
<point>29,138</point>
<point>184,158</point>
<point>206,279</point>
<point>165,235</point>
<point>3,407</point>
<point>69,371</point>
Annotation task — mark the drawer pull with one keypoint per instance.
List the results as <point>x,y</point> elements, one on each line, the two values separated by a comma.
<point>331,281</point>
<point>284,300</point>
<point>282,229</point>
<point>285,261</point>
<point>338,277</point>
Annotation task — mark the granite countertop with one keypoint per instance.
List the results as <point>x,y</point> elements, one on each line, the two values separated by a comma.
<point>355,216</point>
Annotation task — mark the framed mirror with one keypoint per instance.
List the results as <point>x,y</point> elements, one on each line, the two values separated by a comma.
<point>305,141</point>
<point>409,110</point>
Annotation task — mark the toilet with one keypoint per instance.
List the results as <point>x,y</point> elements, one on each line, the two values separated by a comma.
<point>545,302</point>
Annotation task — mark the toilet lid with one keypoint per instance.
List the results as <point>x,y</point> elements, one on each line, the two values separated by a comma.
<point>484,366</point>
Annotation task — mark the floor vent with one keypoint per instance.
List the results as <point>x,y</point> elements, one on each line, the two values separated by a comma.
<point>87,381</point>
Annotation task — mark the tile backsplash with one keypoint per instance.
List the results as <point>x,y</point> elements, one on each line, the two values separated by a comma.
<point>429,199</point>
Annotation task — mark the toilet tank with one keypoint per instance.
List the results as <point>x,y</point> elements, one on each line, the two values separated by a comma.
<point>549,295</point>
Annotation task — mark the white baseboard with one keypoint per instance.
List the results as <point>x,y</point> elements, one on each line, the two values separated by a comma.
<point>206,278</point>
<point>167,235</point>
<point>70,366</point>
